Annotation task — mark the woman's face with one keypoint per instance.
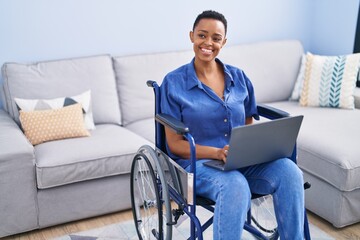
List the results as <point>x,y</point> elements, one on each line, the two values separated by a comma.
<point>208,38</point>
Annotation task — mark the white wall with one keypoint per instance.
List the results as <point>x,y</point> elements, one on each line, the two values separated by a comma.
<point>36,30</point>
<point>333,26</point>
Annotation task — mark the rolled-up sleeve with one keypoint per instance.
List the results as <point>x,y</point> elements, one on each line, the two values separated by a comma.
<point>250,102</point>
<point>168,103</point>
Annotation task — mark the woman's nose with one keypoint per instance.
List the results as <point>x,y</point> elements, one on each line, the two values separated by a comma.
<point>208,41</point>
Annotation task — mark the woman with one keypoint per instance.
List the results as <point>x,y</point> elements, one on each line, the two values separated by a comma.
<point>211,98</point>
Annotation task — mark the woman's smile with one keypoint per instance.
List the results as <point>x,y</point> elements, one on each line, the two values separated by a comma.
<point>206,51</point>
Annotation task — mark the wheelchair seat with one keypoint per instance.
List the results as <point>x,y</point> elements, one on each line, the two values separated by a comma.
<point>204,201</point>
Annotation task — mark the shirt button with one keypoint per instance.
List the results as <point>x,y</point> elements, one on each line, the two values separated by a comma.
<point>225,135</point>
<point>225,120</point>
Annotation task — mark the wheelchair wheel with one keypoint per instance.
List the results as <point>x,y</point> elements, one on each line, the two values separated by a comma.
<point>171,174</point>
<point>263,216</point>
<point>162,177</point>
<point>149,197</point>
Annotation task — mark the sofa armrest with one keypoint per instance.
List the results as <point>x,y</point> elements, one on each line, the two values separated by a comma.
<point>13,142</point>
<point>17,179</point>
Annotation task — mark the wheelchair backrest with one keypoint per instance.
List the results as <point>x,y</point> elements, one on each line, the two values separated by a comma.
<point>160,140</point>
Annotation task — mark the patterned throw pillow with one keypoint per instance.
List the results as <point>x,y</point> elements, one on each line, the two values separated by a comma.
<point>56,103</point>
<point>48,125</point>
<point>329,81</point>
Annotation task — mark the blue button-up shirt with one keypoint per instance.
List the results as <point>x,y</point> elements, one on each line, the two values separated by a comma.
<point>208,117</point>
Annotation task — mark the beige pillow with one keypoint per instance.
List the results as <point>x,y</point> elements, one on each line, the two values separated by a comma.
<point>48,125</point>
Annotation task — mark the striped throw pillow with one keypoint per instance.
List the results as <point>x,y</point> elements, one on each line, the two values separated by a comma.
<point>329,81</point>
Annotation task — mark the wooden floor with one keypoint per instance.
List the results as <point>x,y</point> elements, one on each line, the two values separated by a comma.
<point>348,233</point>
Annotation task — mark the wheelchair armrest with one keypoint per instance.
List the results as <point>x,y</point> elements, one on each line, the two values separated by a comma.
<point>167,120</point>
<point>271,112</point>
<point>151,83</point>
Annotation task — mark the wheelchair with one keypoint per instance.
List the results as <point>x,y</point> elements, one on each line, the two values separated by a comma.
<point>162,191</point>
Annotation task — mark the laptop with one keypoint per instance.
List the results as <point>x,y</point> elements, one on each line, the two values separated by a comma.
<point>259,143</point>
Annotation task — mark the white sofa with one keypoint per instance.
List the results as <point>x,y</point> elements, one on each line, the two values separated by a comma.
<point>66,180</point>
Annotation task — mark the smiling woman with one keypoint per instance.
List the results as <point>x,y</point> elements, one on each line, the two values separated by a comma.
<point>210,98</point>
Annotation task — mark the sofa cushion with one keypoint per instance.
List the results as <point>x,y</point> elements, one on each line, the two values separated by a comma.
<point>144,128</point>
<point>132,72</point>
<point>109,151</point>
<point>54,124</point>
<point>270,66</point>
<point>328,144</point>
<point>69,77</point>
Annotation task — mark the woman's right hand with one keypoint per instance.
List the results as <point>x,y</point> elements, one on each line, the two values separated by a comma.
<point>180,147</point>
<point>222,153</point>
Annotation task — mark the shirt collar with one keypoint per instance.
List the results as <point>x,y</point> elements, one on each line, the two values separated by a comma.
<point>193,81</point>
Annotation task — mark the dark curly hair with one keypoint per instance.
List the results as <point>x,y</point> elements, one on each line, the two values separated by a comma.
<point>212,15</point>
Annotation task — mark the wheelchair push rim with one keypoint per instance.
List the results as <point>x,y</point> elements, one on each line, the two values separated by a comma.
<point>149,197</point>
<point>263,217</point>
<point>145,199</point>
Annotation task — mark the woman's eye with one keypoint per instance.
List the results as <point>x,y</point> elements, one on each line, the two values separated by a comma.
<point>201,36</point>
<point>217,39</point>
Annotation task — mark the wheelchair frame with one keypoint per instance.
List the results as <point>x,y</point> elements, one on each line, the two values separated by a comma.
<point>184,194</point>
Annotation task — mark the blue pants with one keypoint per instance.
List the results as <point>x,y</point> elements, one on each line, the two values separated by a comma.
<point>232,193</point>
